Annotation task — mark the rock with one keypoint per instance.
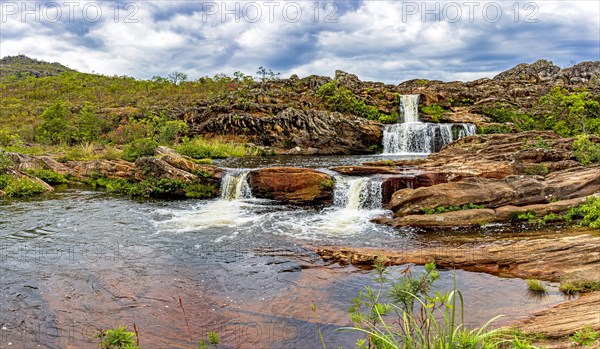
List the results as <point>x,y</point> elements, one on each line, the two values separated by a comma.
<point>322,132</point>
<point>158,168</point>
<point>477,217</point>
<point>297,186</point>
<point>185,163</point>
<point>493,193</point>
<point>565,319</point>
<point>539,71</point>
<point>113,169</point>
<point>550,257</point>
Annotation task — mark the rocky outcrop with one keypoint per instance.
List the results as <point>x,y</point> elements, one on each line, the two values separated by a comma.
<point>512,190</point>
<point>550,257</point>
<point>477,217</point>
<point>565,319</point>
<point>298,186</point>
<point>298,131</point>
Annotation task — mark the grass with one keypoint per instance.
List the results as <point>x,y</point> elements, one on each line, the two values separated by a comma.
<point>585,337</point>
<point>200,148</point>
<point>443,209</point>
<point>48,176</point>
<point>14,187</point>
<point>572,287</point>
<point>536,286</point>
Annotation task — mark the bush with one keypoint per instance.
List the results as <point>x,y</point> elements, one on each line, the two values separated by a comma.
<point>5,161</point>
<point>589,212</point>
<point>492,129</point>
<point>118,338</point>
<point>585,151</point>
<point>434,110</point>
<point>572,287</point>
<point>201,191</point>
<point>171,130</point>
<point>7,138</point>
<point>139,148</point>
<point>570,113</point>
<point>56,124</point>
<point>536,170</point>
<point>339,98</point>
<point>21,187</point>
<point>48,176</point>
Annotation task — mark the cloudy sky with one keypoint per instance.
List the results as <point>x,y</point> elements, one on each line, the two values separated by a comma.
<point>388,41</point>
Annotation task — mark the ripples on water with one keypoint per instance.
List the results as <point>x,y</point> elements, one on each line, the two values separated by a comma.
<point>81,260</point>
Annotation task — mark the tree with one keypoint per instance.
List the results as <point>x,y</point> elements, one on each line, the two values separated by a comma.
<point>177,77</point>
<point>266,75</point>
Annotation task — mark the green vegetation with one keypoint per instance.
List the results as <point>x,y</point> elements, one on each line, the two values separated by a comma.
<point>212,339</point>
<point>497,128</point>
<point>585,337</point>
<point>527,216</point>
<point>411,316</point>
<point>536,286</point>
<point>538,143</point>
<point>139,148</point>
<point>156,188</point>
<point>442,209</point>
<point>327,184</point>
<point>118,338</point>
<point>585,151</point>
<point>14,187</point>
<point>434,110</point>
<point>200,148</point>
<point>48,176</point>
<point>536,170</point>
<point>589,212</point>
<point>572,287</point>
<point>341,99</point>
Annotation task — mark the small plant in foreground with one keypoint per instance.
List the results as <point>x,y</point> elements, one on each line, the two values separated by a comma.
<point>585,337</point>
<point>213,339</point>
<point>118,338</point>
<point>536,286</point>
<point>571,287</point>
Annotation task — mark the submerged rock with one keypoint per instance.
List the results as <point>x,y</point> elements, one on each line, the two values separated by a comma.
<point>299,186</point>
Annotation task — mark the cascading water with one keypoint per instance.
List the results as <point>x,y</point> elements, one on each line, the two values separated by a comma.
<point>413,136</point>
<point>234,185</point>
<point>358,193</point>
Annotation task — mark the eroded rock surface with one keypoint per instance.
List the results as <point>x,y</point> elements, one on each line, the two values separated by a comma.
<point>298,186</point>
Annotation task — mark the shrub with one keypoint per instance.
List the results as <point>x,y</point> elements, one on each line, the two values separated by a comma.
<point>139,148</point>
<point>48,176</point>
<point>585,337</point>
<point>5,161</point>
<point>118,338</point>
<point>7,138</point>
<point>585,151</point>
<point>22,187</point>
<point>201,191</point>
<point>589,212</point>
<point>341,99</point>
<point>56,124</point>
<point>434,110</point>
<point>492,129</point>
<point>570,113</point>
<point>171,130</point>
<point>536,170</point>
<point>572,287</point>
<point>443,209</point>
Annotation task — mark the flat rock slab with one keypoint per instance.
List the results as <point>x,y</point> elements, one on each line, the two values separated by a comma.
<point>299,186</point>
<point>546,258</point>
<point>565,318</point>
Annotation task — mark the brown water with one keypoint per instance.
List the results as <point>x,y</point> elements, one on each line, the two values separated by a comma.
<point>77,261</point>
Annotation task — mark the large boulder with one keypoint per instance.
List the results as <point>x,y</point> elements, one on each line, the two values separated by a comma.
<point>299,186</point>
<point>113,169</point>
<point>512,190</point>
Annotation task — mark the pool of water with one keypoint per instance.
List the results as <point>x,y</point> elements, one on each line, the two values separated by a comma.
<point>77,261</point>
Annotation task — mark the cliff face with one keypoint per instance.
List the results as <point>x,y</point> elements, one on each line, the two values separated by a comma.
<point>288,114</point>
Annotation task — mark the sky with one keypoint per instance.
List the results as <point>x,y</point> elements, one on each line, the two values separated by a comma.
<point>389,41</point>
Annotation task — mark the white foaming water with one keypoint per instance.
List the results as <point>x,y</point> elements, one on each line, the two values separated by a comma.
<point>356,202</point>
<point>357,193</point>
<point>234,185</point>
<point>415,137</point>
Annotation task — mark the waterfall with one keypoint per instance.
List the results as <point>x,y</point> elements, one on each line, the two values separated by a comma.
<point>234,185</point>
<point>413,136</point>
<point>358,193</point>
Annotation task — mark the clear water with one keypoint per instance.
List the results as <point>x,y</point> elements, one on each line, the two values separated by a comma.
<point>78,260</point>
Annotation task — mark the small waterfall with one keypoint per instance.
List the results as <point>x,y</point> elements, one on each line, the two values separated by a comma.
<point>358,193</point>
<point>413,136</point>
<point>234,185</point>
<point>409,108</point>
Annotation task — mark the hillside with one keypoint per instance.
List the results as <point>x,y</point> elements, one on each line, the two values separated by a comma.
<point>50,104</point>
